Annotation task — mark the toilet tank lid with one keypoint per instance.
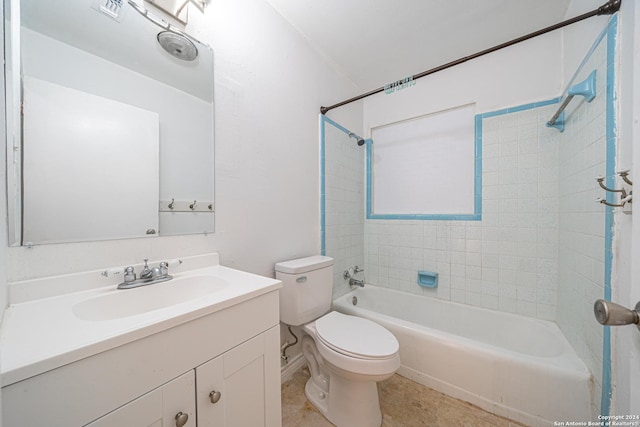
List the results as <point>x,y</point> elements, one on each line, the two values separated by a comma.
<point>304,265</point>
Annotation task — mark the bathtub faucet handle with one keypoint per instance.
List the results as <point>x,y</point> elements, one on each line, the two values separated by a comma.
<point>348,274</point>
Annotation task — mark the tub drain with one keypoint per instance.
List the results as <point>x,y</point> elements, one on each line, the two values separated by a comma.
<point>354,300</point>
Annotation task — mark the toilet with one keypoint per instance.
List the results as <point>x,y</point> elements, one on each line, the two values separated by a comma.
<point>346,355</point>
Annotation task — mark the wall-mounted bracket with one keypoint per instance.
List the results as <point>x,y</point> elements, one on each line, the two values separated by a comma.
<point>586,88</point>
<point>558,122</point>
<point>174,205</point>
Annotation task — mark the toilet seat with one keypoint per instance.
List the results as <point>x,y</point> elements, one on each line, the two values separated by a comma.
<point>356,337</point>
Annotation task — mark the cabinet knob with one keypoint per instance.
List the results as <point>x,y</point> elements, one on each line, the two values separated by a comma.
<point>215,396</point>
<point>181,419</point>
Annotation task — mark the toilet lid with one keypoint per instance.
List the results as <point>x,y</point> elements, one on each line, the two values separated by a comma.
<point>355,336</point>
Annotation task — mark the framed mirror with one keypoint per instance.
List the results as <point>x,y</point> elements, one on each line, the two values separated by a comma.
<point>110,123</point>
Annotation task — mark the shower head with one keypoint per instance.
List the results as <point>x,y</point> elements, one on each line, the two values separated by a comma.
<point>178,45</point>
<point>359,140</point>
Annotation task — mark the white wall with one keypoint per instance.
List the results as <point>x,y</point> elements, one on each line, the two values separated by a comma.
<point>578,38</point>
<point>521,74</point>
<point>628,357</point>
<point>269,87</point>
<point>3,203</point>
<point>626,340</point>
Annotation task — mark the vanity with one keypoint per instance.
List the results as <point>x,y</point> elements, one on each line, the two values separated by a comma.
<point>199,350</point>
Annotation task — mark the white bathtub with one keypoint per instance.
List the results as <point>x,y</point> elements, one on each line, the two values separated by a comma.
<point>514,366</point>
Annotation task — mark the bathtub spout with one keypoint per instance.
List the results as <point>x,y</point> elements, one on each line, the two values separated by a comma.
<point>356,282</point>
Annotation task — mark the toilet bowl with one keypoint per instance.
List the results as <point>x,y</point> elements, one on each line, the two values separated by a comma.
<point>347,355</point>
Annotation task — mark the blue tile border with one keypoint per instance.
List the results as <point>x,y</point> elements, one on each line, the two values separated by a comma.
<point>323,121</point>
<point>519,108</point>
<point>611,32</point>
<point>477,202</point>
<point>323,240</point>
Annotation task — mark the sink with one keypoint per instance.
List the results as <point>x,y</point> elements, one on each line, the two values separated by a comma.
<point>130,302</point>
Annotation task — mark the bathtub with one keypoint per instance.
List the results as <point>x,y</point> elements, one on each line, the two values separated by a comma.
<point>513,366</point>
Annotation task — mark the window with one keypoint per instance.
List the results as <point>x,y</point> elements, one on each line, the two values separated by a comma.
<point>425,168</point>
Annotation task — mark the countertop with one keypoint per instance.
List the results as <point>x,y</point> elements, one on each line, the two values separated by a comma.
<point>42,334</point>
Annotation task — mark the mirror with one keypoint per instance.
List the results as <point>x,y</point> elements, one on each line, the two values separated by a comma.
<point>112,132</point>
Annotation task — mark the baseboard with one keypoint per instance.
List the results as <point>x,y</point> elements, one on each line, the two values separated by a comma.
<point>295,363</point>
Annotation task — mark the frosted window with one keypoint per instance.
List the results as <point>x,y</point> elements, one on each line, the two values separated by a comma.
<point>425,166</point>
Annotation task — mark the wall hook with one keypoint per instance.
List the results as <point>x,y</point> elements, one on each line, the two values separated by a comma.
<point>193,205</point>
<point>625,176</point>
<point>600,180</point>
<point>615,205</point>
<point>170,206</point>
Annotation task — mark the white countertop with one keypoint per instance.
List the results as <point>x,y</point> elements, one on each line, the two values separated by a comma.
<point>43,334</point>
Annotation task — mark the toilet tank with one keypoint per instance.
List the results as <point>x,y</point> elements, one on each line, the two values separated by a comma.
<point>307,288</point>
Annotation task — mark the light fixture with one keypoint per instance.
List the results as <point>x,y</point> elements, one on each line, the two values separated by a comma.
<point>178,8</point>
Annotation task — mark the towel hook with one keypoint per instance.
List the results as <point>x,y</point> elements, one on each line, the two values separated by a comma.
<point>600,180</point>
<point>193,205</point>
<point>615,205</point>
<point>170,206</point>
<point>625,176</point>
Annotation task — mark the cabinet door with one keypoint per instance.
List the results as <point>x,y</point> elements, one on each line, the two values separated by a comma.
<point>241,387</point>
<point>158,408</point>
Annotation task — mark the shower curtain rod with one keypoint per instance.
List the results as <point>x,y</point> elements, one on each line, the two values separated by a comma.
<point>608,8</point>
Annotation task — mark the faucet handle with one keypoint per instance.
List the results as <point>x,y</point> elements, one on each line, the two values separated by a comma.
<point>129,274</point>
<point>164,268</point>
<point>357,269</point>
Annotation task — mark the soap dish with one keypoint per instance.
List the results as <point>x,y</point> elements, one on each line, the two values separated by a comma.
<point>427,279</point>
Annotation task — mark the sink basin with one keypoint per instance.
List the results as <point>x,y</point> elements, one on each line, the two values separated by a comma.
<point>130,302</point>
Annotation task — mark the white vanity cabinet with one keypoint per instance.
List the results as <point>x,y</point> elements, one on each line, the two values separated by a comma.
<point>237,388</point>
<point>147,381</point>
<point>169,405</point>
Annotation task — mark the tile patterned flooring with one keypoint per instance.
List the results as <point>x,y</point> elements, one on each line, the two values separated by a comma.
<point>404,403</point>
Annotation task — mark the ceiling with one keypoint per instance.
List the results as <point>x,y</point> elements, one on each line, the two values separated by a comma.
<point>375,42</point>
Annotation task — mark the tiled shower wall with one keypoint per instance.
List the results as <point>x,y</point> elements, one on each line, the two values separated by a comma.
<point>543,246</point>
<point>582,265</point>
<point>508,260</point>
<point>343,196</point>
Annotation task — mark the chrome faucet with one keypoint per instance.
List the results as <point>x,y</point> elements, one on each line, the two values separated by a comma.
<point>349,275</point>
<point>356,282</point>
<point>148,276</point>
